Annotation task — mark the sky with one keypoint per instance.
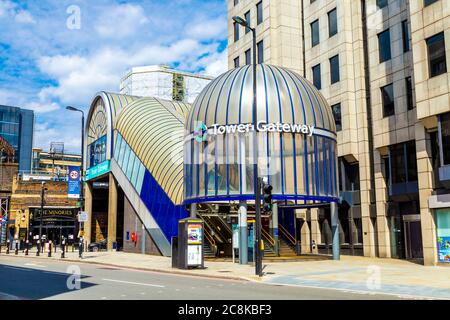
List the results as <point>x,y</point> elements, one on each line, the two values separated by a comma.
<point>55,53</point>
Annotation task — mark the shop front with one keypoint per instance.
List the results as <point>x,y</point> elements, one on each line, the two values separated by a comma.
<point>443,234</point>
<point>57,223</point>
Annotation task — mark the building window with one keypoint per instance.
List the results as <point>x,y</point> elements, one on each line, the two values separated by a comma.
<point>247,18</point>
<point>236,2</point>
<point>444,128</point>
<point>403,162</point>
<point>236,31</point>
<point>259,13</point>
<point>436,55</point>
<point>260,47</point>
<point>382,3</point>
<point>409,93</point>
<point>334,69</point>
<point>387,95</point>
<point>248,57</point>
<point>236,62</point>
<point>405,34</point>
<point>332,23</point>
<point>337,116</point>
<point>384,45</point>
<point>315,39</point>
<point>428,2</point>
<point>317,77</point>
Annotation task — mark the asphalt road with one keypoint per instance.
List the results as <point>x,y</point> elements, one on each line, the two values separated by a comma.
<point>28,278</point>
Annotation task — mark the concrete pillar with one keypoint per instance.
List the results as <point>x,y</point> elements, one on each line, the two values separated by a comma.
<point>384,244</point>
<point>193,211</point>
<point>425,179</point>
<point>305,234</point>
<point>335,231</point>
<point>243,233</point>
<point>112,211</point>
<point>143,239</point>
<point>274,228</point>
<point>88,209</point>
<point>315,229</point>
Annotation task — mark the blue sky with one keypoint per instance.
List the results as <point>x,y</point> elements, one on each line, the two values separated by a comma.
<point>55,53</point>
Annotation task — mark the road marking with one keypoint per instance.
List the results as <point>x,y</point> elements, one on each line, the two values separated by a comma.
<point>135,283</point>
<point>34,265</point>
<point>16,268</point>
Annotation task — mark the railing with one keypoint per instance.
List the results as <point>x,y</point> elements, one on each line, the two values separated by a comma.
<point>268,237</point>
<point>210,238</point>
<point>287,235</point>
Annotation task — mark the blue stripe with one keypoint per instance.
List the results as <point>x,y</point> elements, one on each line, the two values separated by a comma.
<point>267,117</point>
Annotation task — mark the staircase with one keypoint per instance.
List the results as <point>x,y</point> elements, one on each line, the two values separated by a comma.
<point>286,249</point>
<point>208,250</point>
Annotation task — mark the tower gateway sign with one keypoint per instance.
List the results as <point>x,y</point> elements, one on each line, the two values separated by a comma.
<point>262,126</point>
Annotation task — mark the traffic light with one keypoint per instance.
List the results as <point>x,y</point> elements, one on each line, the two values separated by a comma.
<point>267,197</point>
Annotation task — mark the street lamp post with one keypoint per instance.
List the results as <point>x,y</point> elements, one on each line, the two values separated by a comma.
<point>257,185</point>
<point>82,157</point>
<point>41,215</point>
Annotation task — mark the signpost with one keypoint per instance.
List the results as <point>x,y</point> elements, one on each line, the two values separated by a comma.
<point>82,216</point>
<point>3,230</point>
<point>74,182</point>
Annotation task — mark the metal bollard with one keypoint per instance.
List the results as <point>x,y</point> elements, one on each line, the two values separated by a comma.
<point>27,245</point>
<point>38,243</point>
<point>7,246</point>
<point>63,247</point>
<point>49,249</point>
<point>16,251</point>
<point>0,248</point>
<point>80,249</point>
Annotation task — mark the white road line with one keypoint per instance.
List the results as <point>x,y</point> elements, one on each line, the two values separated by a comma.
<point>16,268</point>
<point>34,265</point>
<point>135,283</point>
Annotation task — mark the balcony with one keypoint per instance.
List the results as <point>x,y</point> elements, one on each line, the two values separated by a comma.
<point>444,175</point>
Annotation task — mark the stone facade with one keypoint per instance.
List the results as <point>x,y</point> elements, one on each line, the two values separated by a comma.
<point>368,134</point>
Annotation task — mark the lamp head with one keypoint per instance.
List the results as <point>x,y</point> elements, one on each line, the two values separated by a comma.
<point>240,21</point>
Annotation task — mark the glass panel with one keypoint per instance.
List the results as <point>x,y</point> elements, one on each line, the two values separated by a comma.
<point>384,45</point>
<point>334,69</point>
<point>275,162</point>
<point>210,165</point>
<point>300,163</point>
<point>382,3</point>
<point>315,39</point>
<point>259,12</point>
<point>222,165</point>
<point>311,167</point>
<point>445,136</point>
<point>436,55</point>
<point>140,179</point>
<point>405,36</point>
<point>233,166</point>
<point>387,93</point>
<point>247,19</point>
<point>288,154</point>
<point>443,234</point>
<point>332,23</point>
<point>317,81</point>
<point>117,147</point>
<point>260,47</point>
<point>337,116</point>
<point>130,165</point>
<point>135,173</point>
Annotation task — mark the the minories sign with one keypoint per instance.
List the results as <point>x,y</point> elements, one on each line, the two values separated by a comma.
<point>53,213</point>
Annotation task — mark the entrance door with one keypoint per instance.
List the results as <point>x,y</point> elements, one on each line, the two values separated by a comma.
<point>413,236</point>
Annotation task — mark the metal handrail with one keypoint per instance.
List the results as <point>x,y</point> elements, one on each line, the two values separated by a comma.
<point>268,237</point>
<point>287,235</point>
<point>209,237</point>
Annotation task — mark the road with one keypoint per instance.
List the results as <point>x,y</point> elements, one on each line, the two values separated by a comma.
<point>36,279</point>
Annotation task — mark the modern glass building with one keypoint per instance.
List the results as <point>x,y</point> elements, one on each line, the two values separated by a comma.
<point>151,162</point>
<point>17,127</point>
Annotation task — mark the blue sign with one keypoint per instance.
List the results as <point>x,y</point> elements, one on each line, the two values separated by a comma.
<point>74,182</point>
<point>444,249</point>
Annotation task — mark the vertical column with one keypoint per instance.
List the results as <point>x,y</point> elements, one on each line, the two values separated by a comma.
<point>335,231</point>
<point>243,233</point>
<point>143,239</point>
<point>315,229</point>
<point>425,178</point>
<point>193,213</point>
<point>112,211</point>
<point>88,208</point>
<point>305,234</point>
<point>384,245</point>
<point>274,230</point>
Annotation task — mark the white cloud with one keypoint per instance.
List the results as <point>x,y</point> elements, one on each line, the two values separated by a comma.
<point>217,64</point>
<point>121,21</point>
<point>44,134</point>
<point>23,16</point>
<point>207,29</point>
<point>42,107</point>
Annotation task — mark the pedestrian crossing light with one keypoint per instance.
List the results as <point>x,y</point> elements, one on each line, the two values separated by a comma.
<point>267,197</point>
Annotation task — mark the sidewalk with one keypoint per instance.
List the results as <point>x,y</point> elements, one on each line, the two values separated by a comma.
<point>368,275</point>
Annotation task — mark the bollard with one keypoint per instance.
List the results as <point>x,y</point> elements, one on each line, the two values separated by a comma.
<point>63,247</point>
<point>16,251</point>
<point>80,250</point>
<point>38,243</point>
<point>49,249</point>
<point>7,246</point>
<point>27,245</point>
<point>0,248</point>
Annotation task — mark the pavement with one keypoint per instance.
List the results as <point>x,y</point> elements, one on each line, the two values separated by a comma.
<point>363,275</point>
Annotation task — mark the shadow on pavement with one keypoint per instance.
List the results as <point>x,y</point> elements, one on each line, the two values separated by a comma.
<point>35,284</point>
